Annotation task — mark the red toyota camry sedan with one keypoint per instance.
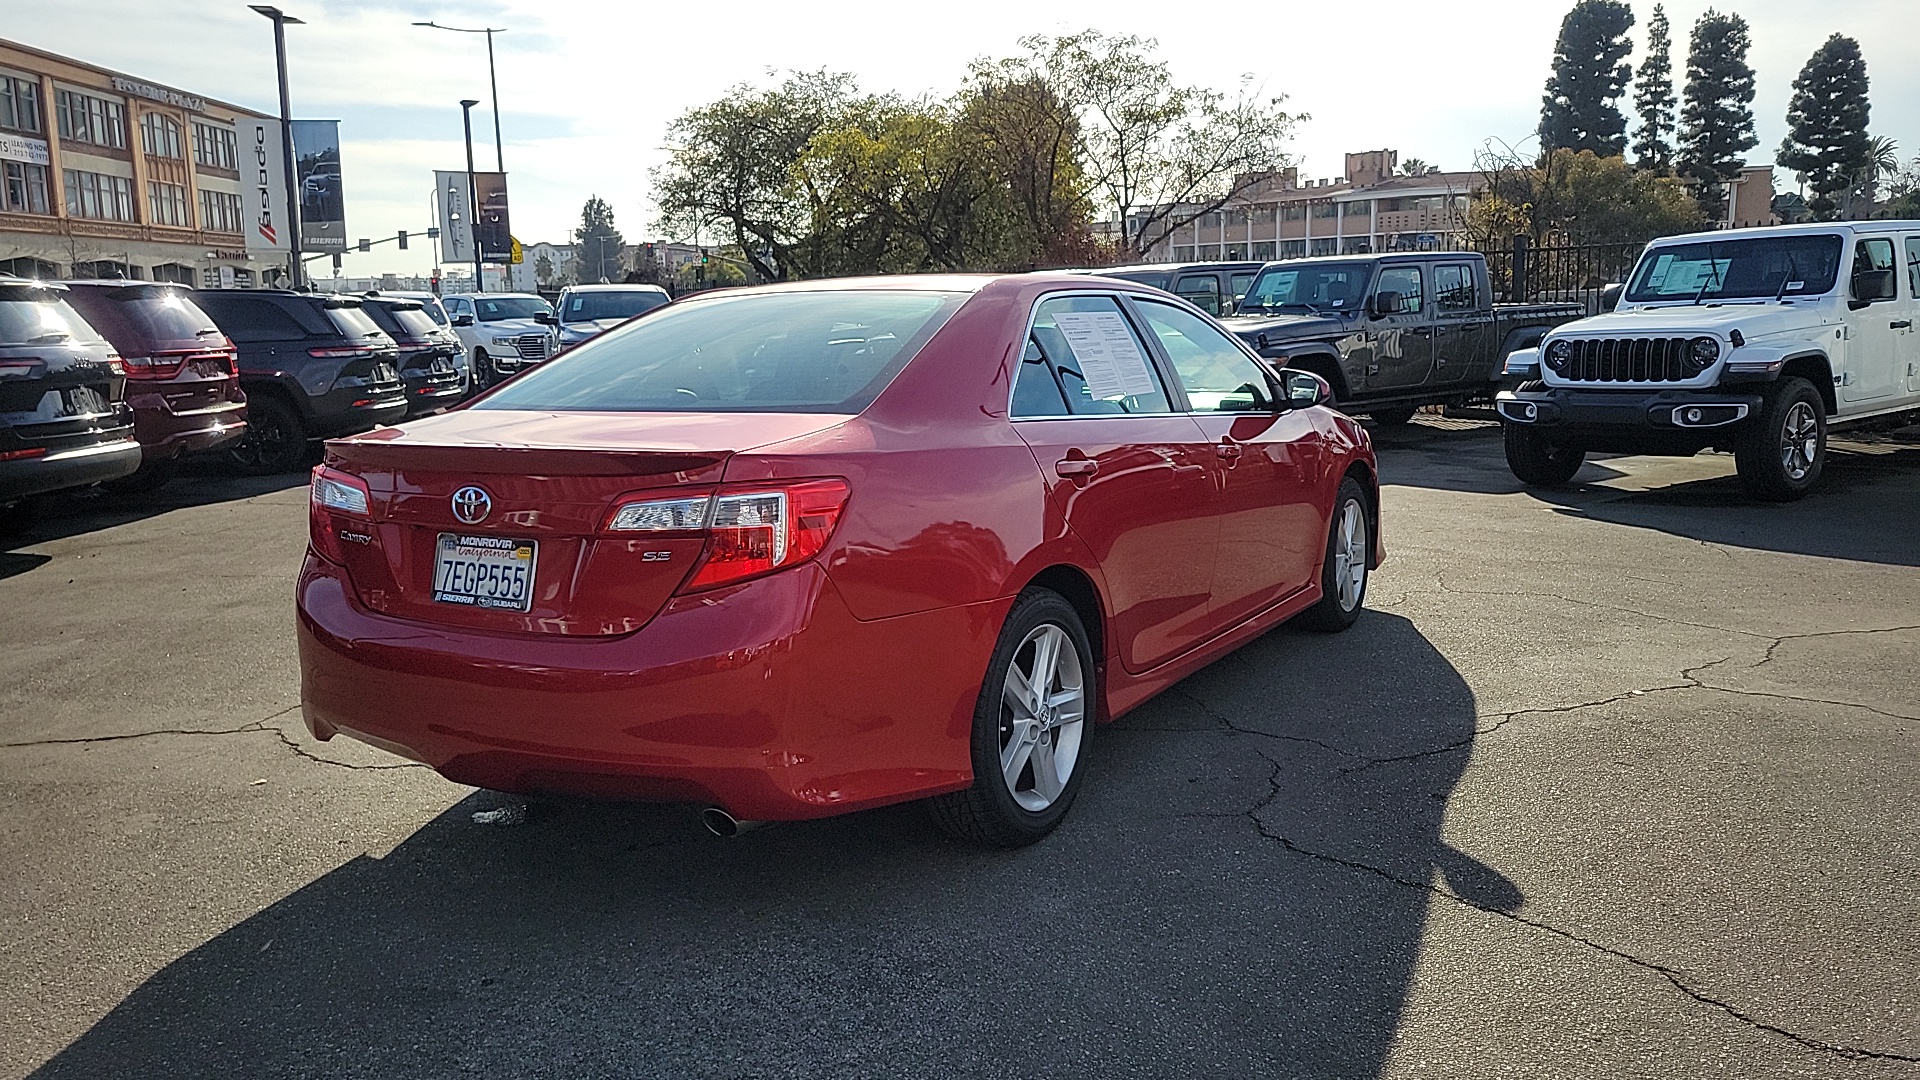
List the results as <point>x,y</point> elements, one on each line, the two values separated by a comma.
<point>800,550</point>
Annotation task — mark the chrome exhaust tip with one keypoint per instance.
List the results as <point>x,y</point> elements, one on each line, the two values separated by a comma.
<point>725,825</point>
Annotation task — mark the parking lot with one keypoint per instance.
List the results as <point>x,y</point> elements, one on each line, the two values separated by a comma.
<point>1618,781</point>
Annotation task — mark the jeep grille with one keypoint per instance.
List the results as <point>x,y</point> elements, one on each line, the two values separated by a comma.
<point>1629,360</point>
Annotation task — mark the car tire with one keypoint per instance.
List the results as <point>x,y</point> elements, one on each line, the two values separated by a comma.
<point>1028,760</point>
<point>1398,416</point>
<point>275,442</point>
<point>483,374</point>
<point>1537,460</point>
<point>1343,572</point>
<point>1781,454</point>
<point>150,476</point>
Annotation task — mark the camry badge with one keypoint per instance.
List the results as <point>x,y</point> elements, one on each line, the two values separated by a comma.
<point>472,505</point>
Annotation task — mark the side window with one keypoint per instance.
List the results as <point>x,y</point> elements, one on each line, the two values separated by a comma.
<point>255,320</point>
<point>1217,374</point>
<point>1453,288</point>
<point>1913,266</point>
<point>1099,360</point>
<point>1874,257</point>
<point>1238,284</point>
<point>1200,290</point>
<point>457,306</point>
<point>1404,282</point>
<point>1036,390</point>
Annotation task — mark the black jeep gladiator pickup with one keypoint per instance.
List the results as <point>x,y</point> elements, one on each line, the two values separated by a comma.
<point>1391,332</point>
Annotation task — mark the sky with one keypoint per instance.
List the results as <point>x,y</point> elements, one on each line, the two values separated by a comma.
<point>588,87</point>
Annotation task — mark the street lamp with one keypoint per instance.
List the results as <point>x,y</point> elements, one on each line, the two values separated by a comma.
<point>473,193</point>
<point>499,154</point>
<point>280,21</point>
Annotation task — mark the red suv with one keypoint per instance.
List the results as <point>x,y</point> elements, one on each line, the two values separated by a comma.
<point>803,549</point>
<point>181,376</point>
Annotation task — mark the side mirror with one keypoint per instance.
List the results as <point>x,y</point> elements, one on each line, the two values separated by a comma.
<point>463,320</point>
<point>1610,297</point>
<point>545,318</point>
<point>1871,285</point>
<point>1304,389</point>
<point>1387,303</point>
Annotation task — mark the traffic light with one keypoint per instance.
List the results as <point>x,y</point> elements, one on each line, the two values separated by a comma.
<point>336,262</point>
<point>703,256</point>
<point>402,238</point>
<point>433,233</point>
<point>366,244</point>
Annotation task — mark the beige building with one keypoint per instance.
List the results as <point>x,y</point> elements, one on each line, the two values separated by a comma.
<point>1370,209</point>
<point>104,174</point>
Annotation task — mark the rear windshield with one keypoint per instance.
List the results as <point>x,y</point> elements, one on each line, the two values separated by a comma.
<point>810,352</point>
<point>495,308</point>
<point>30,316</point>
<point>588,307</point>
<point>161,314</point>
<point>1757,268</point>
<point>406,322</point>
<point>353,321</point>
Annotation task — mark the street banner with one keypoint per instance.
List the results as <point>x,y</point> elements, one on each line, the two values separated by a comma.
<point>496,240</point>
<point>453,203</point>
<point>316,168</point>
<point>263,186</point>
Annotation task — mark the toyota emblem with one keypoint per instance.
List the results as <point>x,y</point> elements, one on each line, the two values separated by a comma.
<point>472,505</point>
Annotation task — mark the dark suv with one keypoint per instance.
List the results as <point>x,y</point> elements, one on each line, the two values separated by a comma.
<point>428,353</point>
<point>64,420</point>
<point>182,379</point>
<point>313,366</point>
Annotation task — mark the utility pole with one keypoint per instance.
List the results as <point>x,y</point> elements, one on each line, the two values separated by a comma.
<point>473,193</point>
<point>493,83</point>
<point>280,21</point>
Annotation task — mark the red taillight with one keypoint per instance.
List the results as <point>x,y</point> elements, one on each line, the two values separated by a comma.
<point>22,367</point>
<point>339,354</point>
<point>16,455</point>
<point>157,366</point>
<point>339,507</point>
<point>757,531</point>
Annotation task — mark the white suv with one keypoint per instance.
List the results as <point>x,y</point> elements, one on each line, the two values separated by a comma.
<point>1751,340</point>
<point>502,332</point>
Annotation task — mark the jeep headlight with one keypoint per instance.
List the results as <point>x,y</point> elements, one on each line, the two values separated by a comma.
<point>1705,351</point>
<point>1558,354</point>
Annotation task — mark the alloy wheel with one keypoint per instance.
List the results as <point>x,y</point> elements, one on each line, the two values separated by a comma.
<point>1043,708</point>
<point>1350,556</point>
<point>1799,441</point>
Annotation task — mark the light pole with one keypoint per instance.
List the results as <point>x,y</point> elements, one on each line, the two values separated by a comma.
<point>499,154</point>
<point>473,193</point>
<point>280,21</point>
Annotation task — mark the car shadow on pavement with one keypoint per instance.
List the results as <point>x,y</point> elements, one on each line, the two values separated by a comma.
<point>57,517</point>
<point>1241,891</point>
<point>1867,509</point>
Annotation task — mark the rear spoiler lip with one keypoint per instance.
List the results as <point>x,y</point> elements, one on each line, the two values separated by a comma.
<point>704,466</point>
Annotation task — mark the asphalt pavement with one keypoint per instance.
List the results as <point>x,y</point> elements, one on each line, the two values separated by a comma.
<point>1619,781</point>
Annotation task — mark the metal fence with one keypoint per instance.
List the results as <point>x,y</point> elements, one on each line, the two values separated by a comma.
<point>1576,273</point>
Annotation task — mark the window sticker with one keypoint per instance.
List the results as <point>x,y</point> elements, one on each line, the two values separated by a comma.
<point>1109,355</point>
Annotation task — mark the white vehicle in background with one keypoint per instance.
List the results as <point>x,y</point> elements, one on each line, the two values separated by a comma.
<point>586,311</point>
<point>502,333</point>
<point>1757,341</point>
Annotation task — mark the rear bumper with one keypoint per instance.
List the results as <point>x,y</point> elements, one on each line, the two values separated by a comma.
<point>1652,421</point>
<point>768,699</point>
<point>65,469</point>
<point>351,411</point>
<point>166,432</point>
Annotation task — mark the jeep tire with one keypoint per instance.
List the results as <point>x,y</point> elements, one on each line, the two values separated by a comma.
<point>1781,453</point>
<point>1536,459</point>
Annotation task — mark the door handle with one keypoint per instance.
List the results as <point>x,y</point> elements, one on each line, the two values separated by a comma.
<point>1900,324</point>
<point>1076,467</point>
<point>1229,451</point>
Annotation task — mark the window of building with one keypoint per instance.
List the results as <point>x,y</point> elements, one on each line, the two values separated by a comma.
<point>1326,245</point>
<point>1293,249</point>
<point>1183,253</point>
<point>1293,211</point>
<point>25,187</point>
<point>166,203</point>
<point>160,135</point>
<point>98,196</point>
<point>27,267</point>
<point>214,147</point>
<point>1209,252</point>
<point>1263,251</point>
<point>103,270</point>
<point>1236,217</point>
<point>219,211</point>
<point>1453,288</point>
<point>178,273</point>
<point>1325,209</point>
<point>88,119</point>
<point>19,104</point>
<point>1361,209</point>
<point>1356,245</point>
<point>1235,252</point>
<point>1212,219</point>
<point>1263,215</point>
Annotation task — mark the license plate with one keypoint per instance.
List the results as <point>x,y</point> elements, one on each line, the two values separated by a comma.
<point>385,373</point>
<point>484,571</point>
<point>86,401</point>
<point>441,365</point>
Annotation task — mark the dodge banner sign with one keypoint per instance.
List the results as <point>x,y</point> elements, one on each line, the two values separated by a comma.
<point>263,187</point>
<point>316,168</point>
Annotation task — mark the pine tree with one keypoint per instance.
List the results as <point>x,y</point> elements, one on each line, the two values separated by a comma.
<point>1827,124</point>
<point>1653,98</point>
<point>597,244</point>
<point>1580,110</point>
<point>1716,121</point>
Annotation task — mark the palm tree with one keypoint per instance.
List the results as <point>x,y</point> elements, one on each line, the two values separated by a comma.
<point>1883,158</point>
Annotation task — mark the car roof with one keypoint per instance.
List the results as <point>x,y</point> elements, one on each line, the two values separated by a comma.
<point>610,287</point>
<point>119,283</point>
<point>1810,228</point>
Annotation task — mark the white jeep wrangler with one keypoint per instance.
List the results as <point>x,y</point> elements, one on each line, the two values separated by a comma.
<point>1751,340</point>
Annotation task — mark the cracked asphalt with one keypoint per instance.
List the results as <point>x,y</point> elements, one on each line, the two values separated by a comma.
<point>1619,781</point>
